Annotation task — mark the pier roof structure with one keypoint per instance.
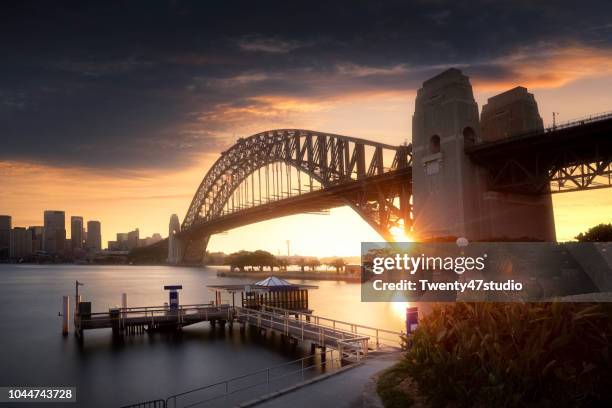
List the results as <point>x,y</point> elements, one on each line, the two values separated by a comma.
<point>269,284</point>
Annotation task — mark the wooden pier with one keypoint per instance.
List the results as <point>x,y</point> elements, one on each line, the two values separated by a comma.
<point>134,320</point>
<point>351,340</point>
<point>293,320</point>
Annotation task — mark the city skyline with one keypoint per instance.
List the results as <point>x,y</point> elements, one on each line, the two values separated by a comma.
<point>126,127</point>
<point>87,241</point>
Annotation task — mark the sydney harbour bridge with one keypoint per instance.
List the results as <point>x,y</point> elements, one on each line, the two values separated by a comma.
<point>464,174</point>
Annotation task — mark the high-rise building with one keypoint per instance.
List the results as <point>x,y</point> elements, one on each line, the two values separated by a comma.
<point>20,247</point>
<point>94,236</point>
<point>76,232</point>
<point>36,237</point>
<point>144,242</point>
<point>132,239</point>
<point>126,241</point>
<point>6,224</point>
<point>54,232</point>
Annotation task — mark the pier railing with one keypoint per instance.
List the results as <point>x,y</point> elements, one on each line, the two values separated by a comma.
<point>381,338</point>
<point>349,345</point>
<point>305,326</point>
<point>243,388</point>
<point>119,317</point>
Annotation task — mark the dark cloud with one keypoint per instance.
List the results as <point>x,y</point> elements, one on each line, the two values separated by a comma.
<point>143,83</point>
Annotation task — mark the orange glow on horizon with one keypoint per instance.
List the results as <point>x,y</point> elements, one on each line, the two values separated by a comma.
<point>126,199</point>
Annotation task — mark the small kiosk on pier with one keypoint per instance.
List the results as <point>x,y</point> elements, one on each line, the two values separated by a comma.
<point>272,291</point>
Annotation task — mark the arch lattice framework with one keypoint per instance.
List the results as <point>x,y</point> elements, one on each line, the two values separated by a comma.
<point>332,160</point>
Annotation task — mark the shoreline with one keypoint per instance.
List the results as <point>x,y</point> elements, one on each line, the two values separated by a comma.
<point>353,278</point>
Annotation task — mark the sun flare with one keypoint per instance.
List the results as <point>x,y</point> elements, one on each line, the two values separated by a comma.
<point>399,308</point>
<point>400,235</point>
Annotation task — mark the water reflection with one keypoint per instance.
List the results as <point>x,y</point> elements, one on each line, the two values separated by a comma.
<point>111,372</point>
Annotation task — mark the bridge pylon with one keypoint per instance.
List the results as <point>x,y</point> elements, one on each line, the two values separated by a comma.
<point>447,187</point>
<point>175,244</point>
<point>451,192</point>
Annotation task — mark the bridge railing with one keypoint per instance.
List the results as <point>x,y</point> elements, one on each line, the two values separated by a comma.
<point>595,117</point>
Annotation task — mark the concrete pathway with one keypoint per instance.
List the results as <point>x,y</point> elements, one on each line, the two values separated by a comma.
<point>342,390</point>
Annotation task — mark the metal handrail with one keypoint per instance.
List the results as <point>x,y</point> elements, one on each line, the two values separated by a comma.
<point>148,404</point>
<point>324,361</point>
<point>354,328</point>
<point>548,131</point>
<point>135,308</point>
<point>333,320</point>
<point>152,312</point>
<point>290,321</point>
<point>146,309</point>
<point>580,121</point>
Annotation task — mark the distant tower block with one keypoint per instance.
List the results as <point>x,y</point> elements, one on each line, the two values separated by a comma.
<point>510,113</point>
<point>446,185</point>
<point>514,215</point>
<point>174,244</point>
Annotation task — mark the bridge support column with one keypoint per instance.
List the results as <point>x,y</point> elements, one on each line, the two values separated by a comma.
<point>450,191</point>
<point>447,187</point>
<point>184,249</point>
<point>515,215</point>
<point>175,244</point>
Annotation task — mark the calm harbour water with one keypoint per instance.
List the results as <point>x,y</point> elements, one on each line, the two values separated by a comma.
<point>108,373</point>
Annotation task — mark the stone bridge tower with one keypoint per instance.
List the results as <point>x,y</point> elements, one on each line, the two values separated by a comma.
<point>447,187</point>
<point>175,255</point>
<point>450,196</point>
<point>510,214</point>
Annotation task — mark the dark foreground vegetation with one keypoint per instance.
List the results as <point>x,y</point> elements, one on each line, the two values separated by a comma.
<point>598,233</point>
<point>506,355</point>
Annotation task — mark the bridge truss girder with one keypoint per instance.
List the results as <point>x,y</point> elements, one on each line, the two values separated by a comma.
<point>332,160</point>
<point>570,159</point>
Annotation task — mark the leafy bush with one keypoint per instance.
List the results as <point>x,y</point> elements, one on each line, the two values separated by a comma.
<point>509,355</point>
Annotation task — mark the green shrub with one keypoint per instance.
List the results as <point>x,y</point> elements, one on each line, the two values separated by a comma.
<point>510,355</point>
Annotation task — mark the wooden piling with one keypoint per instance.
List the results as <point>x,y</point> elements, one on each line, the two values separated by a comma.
<point>124,304</point>
<point>65,314</point>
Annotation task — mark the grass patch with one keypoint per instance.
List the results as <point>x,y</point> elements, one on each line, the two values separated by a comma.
<point>388,386</point>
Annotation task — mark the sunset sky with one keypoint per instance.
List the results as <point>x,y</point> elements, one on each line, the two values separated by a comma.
<point>116,111</point>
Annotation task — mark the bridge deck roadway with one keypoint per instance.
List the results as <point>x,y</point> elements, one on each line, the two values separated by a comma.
<point>326,198</point>
<point>581,137</point>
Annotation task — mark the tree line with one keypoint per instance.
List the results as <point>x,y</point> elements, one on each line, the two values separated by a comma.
<point>262,260</point>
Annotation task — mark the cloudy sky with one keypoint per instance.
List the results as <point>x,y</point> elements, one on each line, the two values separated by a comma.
<point>115,110</point>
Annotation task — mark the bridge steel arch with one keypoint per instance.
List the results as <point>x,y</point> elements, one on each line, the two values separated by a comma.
<point>335,161</point>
